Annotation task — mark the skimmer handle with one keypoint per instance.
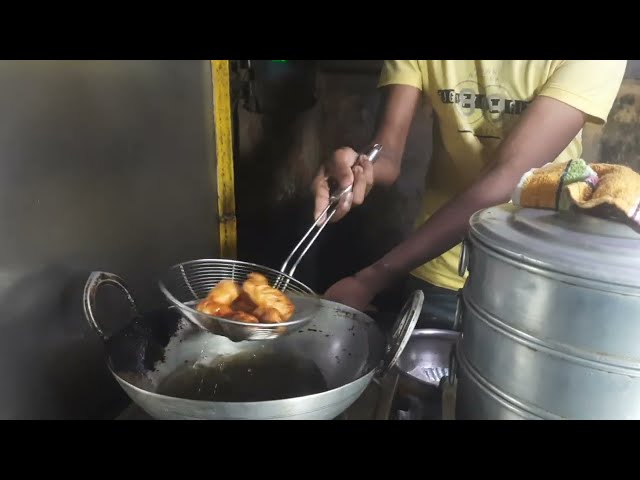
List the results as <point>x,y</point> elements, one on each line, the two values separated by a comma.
<point>321,222</point>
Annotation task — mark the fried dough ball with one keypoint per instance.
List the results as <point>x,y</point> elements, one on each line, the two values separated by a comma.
<point>255,302</point>
<point>243,303</point>
<point>209,307</point>
<point>225,292</point>
<point>266,297</point>
<point>244,317</point>
<point>257,278</point>
<point>268,315</point>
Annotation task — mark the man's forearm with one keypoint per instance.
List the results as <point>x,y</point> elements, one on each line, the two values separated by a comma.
<point>441,232</point>
<point>543,132</point>
<point>393,123</point>
<point>386,168</point>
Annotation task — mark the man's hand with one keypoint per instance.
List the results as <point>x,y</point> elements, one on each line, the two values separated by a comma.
<point>345,167</point>
<point>359,290</point>
<point>352,292</point>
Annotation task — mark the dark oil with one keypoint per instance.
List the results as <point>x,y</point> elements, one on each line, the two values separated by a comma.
<point>246,377</point>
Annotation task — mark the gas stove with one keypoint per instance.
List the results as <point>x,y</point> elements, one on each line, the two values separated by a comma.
<point>388,399</point>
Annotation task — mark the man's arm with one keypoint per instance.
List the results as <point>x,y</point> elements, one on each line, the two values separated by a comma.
<point>392,129</point>
<point>345,167</point>
<point>543,132</point>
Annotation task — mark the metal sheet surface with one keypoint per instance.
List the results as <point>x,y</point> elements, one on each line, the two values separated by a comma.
<point>104,165</point>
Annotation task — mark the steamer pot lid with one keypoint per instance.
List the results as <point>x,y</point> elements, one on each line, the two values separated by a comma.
<point>574,244</point>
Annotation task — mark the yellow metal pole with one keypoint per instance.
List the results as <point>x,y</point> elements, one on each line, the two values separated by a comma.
<point>223,128</point>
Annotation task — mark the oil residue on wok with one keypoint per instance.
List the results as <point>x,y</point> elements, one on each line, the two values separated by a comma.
<point>246,377</point>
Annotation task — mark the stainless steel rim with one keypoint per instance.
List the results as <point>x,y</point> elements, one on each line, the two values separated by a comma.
<point>326,393</point>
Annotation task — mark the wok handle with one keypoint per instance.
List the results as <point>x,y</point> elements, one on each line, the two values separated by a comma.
<point>463,265</point>
<point>453,365</point>
<point>448,387</point>
<point>457,322</point>
<point>94,282</point>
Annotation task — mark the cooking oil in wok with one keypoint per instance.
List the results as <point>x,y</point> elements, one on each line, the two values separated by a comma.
<point>246,377</point>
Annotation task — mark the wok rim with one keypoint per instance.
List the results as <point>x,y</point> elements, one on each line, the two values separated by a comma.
<point>371,373</point>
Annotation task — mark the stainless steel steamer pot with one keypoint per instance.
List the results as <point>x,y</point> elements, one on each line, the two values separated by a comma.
<point>550,317</point>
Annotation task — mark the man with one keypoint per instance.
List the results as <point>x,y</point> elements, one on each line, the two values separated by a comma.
<point>494,120</point>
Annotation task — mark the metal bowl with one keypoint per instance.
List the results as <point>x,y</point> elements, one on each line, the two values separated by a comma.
<point>425,359</point>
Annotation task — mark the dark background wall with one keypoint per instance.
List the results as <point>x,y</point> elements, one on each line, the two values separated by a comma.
<point>274,206</point>
<point>104,165</point>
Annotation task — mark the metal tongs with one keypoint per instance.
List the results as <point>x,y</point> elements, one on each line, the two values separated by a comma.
<point>319,224</point>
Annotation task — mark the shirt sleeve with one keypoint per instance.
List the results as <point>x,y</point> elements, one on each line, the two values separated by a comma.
<point>591,86</point>
<point>401,72</point>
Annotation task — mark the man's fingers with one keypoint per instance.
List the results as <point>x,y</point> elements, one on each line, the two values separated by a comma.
<point>363,179</point>
<point>340,168</point>
<point>345,169</point>
<point>359,185</point>
<point>367,167</point>
<point>371,309</point>
<point>321,191</point>
<point>343,207</point>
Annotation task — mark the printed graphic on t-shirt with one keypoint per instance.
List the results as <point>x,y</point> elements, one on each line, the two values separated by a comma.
<point>486,111</point>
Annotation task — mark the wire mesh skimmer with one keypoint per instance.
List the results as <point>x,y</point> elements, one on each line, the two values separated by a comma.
<point>186,284</point>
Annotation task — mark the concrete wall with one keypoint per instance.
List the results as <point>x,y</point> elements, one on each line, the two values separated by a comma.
<point>277,162</point>
<point>104,165</point>
<point>619,140</point>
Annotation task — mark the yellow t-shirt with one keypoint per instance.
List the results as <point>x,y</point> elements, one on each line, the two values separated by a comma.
<point>476,103</point>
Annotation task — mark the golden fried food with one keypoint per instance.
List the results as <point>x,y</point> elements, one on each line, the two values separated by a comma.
<point>268,315</point>
<point>216,309</point>
<point>224,292</point>
<point>265,296</point>
<point>255,302</point>
<point>257,278</point>
<point>244,304</point>
<point>244,317</point>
